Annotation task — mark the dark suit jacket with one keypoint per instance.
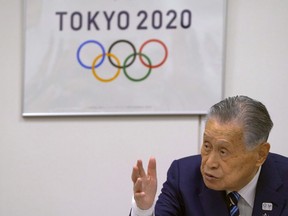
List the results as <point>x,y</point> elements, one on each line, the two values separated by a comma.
<point>184,192</point>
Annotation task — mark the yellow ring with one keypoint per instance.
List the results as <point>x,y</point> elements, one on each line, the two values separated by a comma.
<point>94,71</point>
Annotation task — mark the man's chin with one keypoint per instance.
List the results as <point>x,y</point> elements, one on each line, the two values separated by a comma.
<point>213,186</point>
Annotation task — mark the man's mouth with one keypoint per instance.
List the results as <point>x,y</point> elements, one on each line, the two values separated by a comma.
<point>210,177</point>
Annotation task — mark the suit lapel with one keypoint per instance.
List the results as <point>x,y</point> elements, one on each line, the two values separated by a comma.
<point>268,201</point>
<point>213,202</point>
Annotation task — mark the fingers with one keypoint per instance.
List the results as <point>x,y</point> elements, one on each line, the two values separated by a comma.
<point>138,171</point>
<point>144,195</point>
<point>138,186</point>
<point>151,171</point>
<point>145,186</point>
<point>135,174</point>
<point>140,168</point>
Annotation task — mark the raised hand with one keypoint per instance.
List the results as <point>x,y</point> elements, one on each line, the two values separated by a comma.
<point>145,185</point>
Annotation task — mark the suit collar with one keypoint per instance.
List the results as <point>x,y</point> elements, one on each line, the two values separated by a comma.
<point>267,189</point>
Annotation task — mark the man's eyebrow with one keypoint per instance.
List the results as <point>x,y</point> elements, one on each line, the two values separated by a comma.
<point>206,134</point>
<point>224,142</point>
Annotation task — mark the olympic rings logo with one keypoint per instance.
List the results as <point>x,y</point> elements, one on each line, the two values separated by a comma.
<point>115,62</point>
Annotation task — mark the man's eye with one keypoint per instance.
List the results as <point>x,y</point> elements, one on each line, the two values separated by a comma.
<point>223,152</point>
<point>207,146</point>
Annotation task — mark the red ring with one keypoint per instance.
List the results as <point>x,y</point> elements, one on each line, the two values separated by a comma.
<point>165,57</point>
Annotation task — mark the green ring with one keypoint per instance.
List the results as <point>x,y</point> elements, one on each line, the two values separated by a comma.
<point>133,79</point>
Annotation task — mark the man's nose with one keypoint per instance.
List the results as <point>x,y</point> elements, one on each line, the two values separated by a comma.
<point>212,161</point>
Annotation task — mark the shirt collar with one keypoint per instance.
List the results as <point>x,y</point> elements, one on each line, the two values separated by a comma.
<point>249,190</point>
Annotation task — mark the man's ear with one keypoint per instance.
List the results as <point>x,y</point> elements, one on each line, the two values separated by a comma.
<point>263,152</point>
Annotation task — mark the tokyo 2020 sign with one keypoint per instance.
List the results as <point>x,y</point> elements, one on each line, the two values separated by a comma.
<point>122,57</point>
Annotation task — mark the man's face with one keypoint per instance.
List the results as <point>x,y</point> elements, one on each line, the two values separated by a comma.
<point>226,163</point>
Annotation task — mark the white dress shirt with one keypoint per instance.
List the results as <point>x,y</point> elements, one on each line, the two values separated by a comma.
<point>139,212</point>
<point>245,203</point>
<point>247,193</point>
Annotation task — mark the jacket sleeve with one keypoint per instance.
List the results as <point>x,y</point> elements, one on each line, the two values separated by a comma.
<point>170,202</point>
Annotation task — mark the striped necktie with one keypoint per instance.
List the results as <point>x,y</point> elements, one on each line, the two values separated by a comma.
<point>233,198</point>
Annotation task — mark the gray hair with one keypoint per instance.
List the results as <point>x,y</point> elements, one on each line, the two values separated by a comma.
<point>251,114</point>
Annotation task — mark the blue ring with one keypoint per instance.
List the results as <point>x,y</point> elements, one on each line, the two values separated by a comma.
<point>84,43</point>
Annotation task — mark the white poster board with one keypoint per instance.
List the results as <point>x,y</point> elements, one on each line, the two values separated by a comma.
<point>118,57</point>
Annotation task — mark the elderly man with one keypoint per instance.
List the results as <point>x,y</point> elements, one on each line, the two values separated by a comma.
<point>234,175</point>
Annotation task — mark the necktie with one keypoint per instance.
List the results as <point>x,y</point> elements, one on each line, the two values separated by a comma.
<point>233,198</point>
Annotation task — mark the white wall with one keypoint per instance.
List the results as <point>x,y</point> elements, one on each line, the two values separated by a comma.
<point>81,166</point>
<point>256,59</point>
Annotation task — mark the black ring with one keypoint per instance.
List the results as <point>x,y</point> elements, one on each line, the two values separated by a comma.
<point>119,41</point>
